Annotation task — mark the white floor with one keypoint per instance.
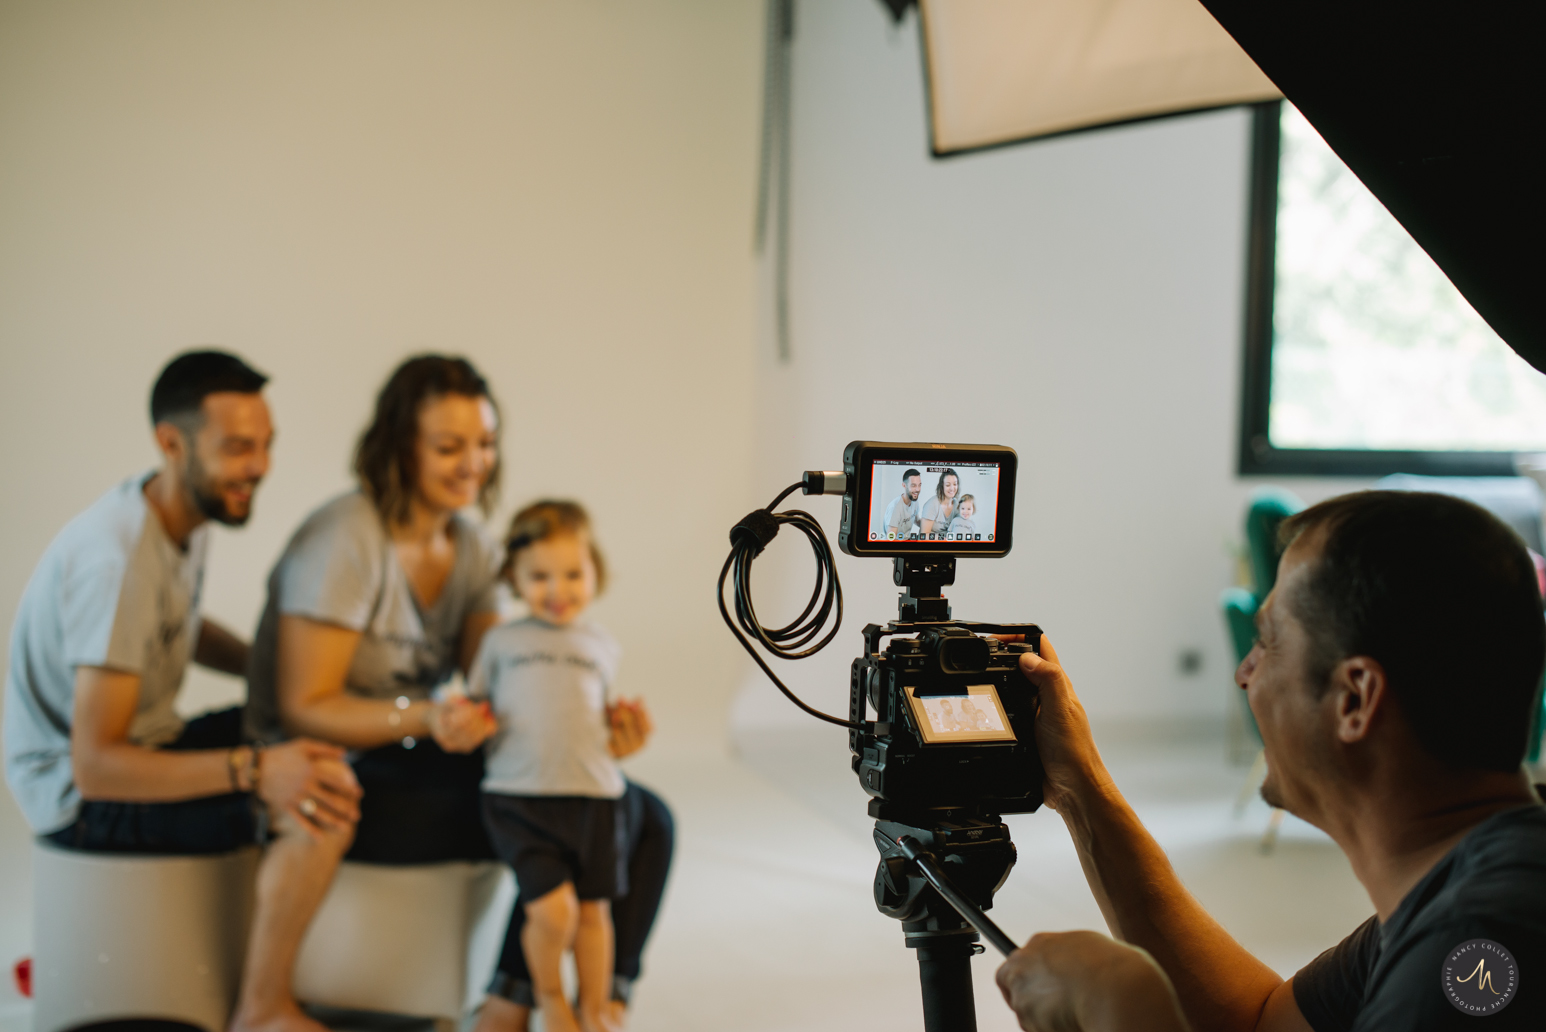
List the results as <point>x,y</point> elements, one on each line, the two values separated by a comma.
<point>768,922</point>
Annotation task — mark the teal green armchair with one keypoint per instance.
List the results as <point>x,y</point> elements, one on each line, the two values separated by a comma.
<point>1269,507</point>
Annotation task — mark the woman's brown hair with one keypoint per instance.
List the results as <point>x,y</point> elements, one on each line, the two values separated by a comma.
<point>939,492</point>
<point>385,461</point>
<point>548,518</point>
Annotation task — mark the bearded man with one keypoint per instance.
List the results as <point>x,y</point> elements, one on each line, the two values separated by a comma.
<point>95,751</point>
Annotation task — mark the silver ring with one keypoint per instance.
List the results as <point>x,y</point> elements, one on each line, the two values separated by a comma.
<point>308,807</point>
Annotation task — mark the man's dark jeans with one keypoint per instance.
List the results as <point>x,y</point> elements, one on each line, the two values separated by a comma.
<point>190,827</point>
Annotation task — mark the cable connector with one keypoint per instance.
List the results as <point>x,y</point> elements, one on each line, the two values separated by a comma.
<point>757,527</point>
<point>824,482</point>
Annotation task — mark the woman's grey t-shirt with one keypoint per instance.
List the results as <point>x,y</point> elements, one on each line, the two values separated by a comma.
<point>340,569</point>
<point>939,512</point>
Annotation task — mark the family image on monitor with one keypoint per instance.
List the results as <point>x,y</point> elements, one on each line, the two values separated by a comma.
<point>934,503</point>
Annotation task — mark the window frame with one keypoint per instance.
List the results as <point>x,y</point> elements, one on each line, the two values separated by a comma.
<point>1257,455</point>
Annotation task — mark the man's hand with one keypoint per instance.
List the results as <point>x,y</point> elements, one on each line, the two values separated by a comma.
<point>460,725</point>
<point>1086,982</point>
<point>311,782</point>
<point>1068,753</point>
<point>631,727</point>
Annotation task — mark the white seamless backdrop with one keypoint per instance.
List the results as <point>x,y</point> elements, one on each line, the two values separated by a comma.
<point>562,192</point>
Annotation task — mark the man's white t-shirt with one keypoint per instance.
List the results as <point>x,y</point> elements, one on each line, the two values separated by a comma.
<point>112,590</point>
<point>902,514</point>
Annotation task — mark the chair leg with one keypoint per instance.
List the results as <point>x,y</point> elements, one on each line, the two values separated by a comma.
<point>1269,838</point>
<point>1253,781</point>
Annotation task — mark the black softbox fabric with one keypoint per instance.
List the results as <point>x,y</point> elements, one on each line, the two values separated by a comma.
<point>1439,106</point>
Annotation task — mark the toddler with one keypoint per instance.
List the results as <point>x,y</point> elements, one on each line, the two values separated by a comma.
<point>966,508</point>
<point>552,789</point>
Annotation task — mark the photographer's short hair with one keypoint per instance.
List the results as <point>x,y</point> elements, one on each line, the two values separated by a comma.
<point>910,474</point>
<point>179,393</point>
<point>546,519</point>
<point>1445,597</point>
<point>386,460</point>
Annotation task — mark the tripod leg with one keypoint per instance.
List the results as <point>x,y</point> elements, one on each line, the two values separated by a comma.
<point>945,971</point>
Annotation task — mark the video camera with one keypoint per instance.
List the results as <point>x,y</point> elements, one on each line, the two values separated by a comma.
<point>954,724</point>
<point>951,746</point>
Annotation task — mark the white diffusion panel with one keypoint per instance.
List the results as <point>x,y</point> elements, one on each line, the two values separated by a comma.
<point>1005,70</point>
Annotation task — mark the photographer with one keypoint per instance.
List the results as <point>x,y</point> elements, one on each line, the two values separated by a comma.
<point>1397,668</point>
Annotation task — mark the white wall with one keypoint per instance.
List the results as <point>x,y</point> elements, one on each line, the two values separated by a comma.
<point>563,192</point>
<point>1078,299</point>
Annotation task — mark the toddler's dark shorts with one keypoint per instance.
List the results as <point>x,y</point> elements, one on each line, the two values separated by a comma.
<point>549,840</point>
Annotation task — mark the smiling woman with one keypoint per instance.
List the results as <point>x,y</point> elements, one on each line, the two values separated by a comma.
<point>434,413</point>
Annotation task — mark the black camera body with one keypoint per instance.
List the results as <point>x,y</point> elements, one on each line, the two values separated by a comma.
<point>898,765</point>
<point>954,724</point>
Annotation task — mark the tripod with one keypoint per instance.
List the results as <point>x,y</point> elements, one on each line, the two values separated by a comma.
<point>936,875</point>
<point>939,867</point>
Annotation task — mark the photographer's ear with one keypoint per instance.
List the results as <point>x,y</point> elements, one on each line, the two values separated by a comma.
<point>1360,691</point>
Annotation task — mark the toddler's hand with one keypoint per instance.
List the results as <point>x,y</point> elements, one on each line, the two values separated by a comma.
<point>631,727</point>
<point>460,725</point>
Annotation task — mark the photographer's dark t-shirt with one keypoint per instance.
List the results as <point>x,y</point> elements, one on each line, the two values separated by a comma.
<point>1472,931</point>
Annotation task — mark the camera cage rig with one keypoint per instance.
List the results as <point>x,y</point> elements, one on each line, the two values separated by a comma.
<point>928,818</point>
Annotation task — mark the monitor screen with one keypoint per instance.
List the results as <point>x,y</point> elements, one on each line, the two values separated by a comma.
<point>924,500</point>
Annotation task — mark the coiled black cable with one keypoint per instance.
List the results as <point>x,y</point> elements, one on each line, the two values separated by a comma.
<point>747,540</point>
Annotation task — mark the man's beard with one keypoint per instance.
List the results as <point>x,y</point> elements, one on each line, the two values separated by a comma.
<point>207,499</point>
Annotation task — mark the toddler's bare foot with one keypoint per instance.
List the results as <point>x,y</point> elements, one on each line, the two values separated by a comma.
<point>501,1015</point>
<point>284,1018</point>
<point>596,1021</point>
<point>557,1017</point>
<point>599,1022</point>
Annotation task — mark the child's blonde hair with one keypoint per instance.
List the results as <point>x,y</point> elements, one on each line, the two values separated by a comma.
<point>964,499</point>
<point>546,519</point>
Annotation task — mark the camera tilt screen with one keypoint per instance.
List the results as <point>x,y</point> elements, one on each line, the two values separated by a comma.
<point>923,501</point>
<point>973,714</point>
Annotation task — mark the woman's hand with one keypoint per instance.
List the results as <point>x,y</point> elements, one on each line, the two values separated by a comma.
<point>631,727</point>
<point>460,725</point>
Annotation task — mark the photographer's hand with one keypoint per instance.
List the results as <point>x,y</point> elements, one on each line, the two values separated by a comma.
<point>1086,982</point>
<point>1068,754</point>
<point>1220,985</point>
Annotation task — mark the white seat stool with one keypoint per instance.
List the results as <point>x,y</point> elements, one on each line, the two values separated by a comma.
<point>417,939</point>
<point>128,936</point>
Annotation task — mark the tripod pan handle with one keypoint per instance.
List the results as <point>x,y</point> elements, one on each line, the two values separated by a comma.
<point>969,911</point>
